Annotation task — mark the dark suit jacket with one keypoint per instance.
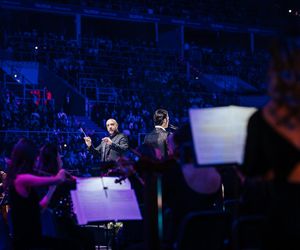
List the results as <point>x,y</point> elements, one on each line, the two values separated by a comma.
<point>158,139</point>
<point>111,152</point>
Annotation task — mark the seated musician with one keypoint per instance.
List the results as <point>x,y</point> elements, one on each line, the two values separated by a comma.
<point>23,199</point>
<point>58,200</point>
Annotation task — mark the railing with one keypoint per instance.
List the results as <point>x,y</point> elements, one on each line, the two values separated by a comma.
<point>71,145</point>
<point>53,134</point>
<point>23,87</point>
<point>47,134</point>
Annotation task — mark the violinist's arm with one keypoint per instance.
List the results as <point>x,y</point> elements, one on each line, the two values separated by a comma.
<point>47,198</point>
<point>24,182</point>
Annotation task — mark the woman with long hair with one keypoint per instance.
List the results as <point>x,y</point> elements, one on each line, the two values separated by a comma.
<point>23,199</point>
<point>58,200</point>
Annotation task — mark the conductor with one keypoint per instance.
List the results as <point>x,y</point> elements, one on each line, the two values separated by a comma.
<point>112,146</point>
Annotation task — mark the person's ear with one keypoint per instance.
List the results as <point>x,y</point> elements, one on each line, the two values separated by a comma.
<point>164,120</point>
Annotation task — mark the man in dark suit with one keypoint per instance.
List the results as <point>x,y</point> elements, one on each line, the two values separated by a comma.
<point>156,142</point>
<point>157,139</point>
<point>111,147</point>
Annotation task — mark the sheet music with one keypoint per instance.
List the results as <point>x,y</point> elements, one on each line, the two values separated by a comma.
<point>95,183</point>
<point>91,204</point>
<point>219,133</point>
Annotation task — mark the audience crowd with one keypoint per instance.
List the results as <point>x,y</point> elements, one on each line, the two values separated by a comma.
<point>131,63</point>
<point>143,77</point>
<point>137,71</point>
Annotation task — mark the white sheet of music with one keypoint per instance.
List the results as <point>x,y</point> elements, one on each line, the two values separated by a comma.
<point>219,133</point>
<point>94,183</point>
<point>91,203</point>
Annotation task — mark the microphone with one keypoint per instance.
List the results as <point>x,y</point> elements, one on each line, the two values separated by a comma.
<point>173,127</point>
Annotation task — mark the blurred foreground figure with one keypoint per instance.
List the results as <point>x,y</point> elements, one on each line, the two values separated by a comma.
<point>187,187</point>
<point>272,152</point>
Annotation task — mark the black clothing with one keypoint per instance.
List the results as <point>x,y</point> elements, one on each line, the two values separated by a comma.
<point>111,152</point>
<point>60,223</point>
<point>181,199</point>
<point>158,139</point>
<point>266,149</point>
<point>25,215</point>
<point>278,199</point>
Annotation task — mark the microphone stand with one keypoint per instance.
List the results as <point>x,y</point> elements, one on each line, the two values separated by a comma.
<point>172,127</point>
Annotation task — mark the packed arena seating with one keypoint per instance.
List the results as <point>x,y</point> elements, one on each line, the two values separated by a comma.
<point>250,67</point>
<point>133,111</point>
<point>138,70</point>
<point>143,74</point>
<point>72,148</point>
<point>24,118</point>
<point>19,114</point>
<point>124,63</point>
<point>106,60</point>
<point>130,67</point>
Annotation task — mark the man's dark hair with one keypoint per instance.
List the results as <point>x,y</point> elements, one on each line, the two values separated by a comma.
<point>159,116</point>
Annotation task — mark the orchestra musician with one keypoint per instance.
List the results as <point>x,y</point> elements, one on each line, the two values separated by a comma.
<point>23,198</point>
<point>58,200</point>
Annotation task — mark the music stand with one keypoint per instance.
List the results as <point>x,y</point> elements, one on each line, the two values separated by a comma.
<point>93,202</point>
<point>219,134</point>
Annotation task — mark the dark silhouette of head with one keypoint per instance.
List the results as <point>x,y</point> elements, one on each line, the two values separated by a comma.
<point>161,117</point>
<point>183,143</point>
<point>48,161</point>
<point>284,71</point>
<point>22,160</point>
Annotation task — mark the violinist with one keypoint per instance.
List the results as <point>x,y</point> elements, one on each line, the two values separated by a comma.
<point>23,198</point>
<point>59,203</point>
